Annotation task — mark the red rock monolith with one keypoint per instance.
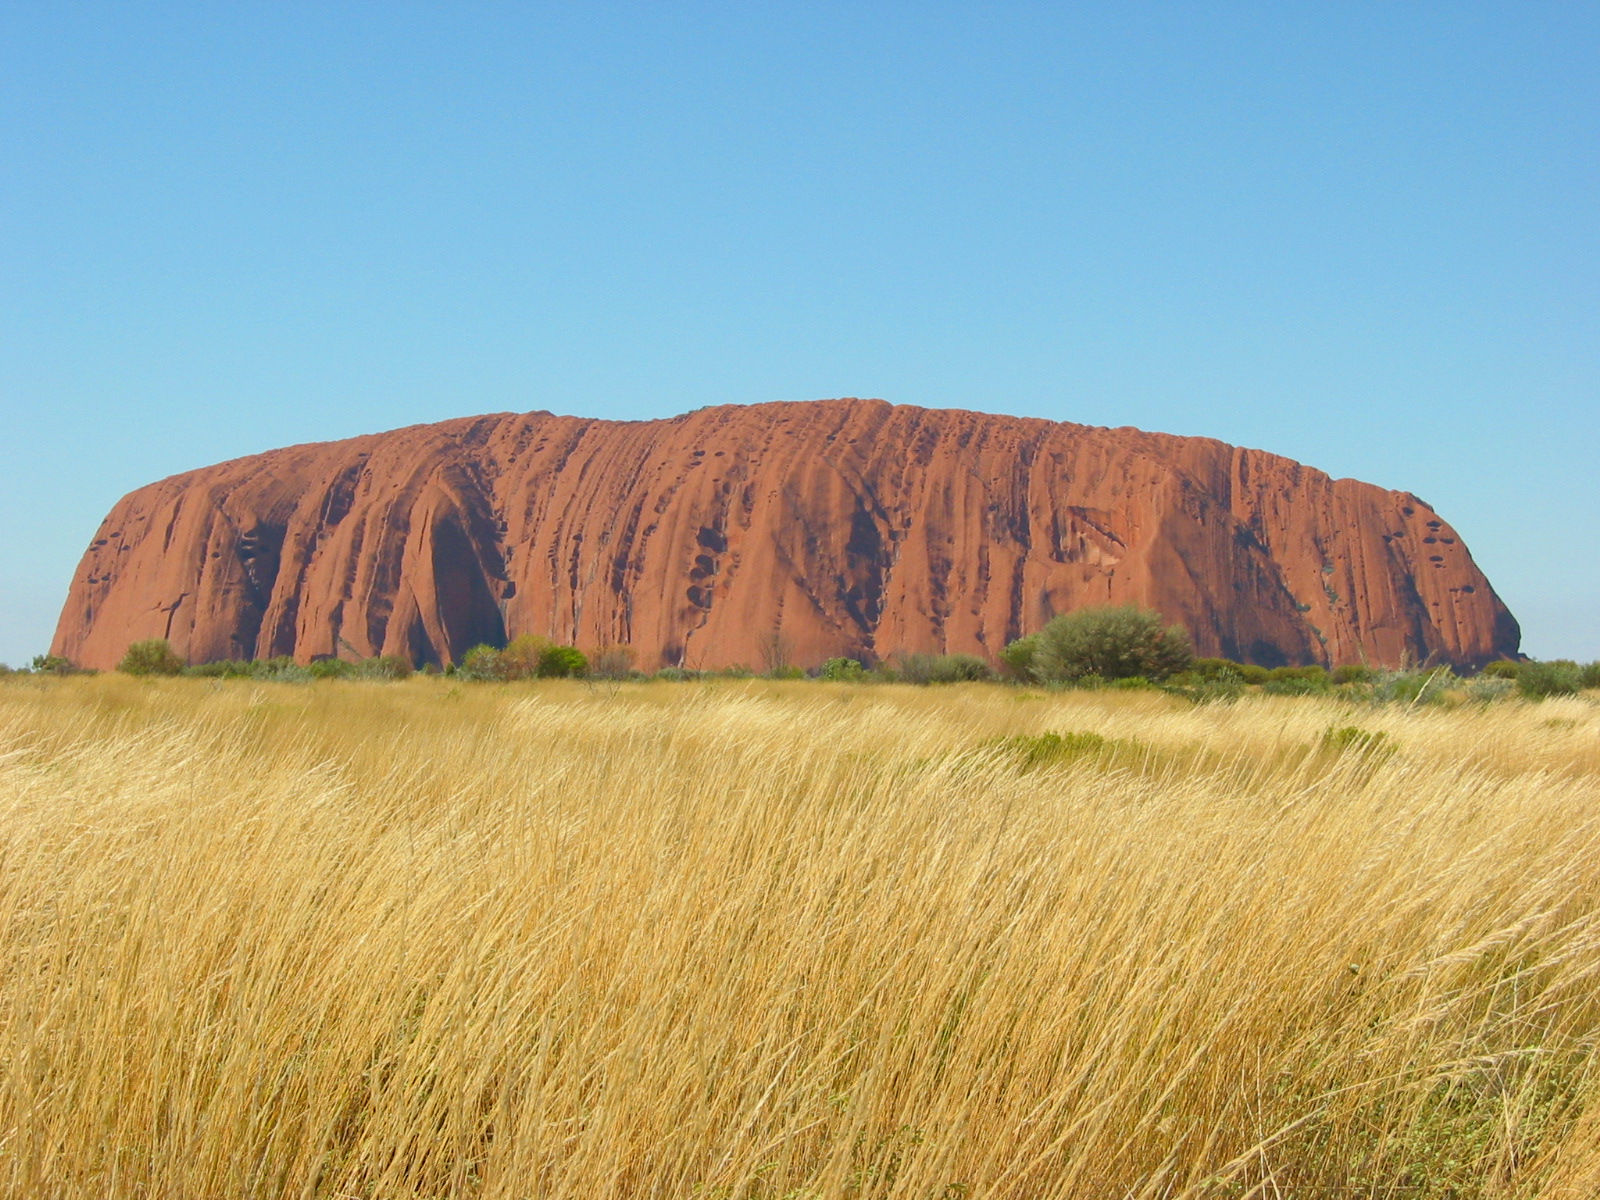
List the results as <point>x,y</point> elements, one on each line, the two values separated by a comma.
<point>785,531</point>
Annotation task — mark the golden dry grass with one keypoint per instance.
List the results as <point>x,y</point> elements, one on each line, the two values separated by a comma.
<point>751,941</point>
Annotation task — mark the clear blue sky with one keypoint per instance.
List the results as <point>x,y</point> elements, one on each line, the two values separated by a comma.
<point>1366,236</point>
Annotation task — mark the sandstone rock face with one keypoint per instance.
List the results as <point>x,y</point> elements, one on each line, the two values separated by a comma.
<point>754,534</point>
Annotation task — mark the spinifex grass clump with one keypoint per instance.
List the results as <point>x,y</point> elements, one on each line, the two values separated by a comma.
<point>1353,739</point>
<point>1033,751</point>
<point>754,940</point>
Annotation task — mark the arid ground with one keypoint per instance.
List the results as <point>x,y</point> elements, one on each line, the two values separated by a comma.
<point>754,941</point>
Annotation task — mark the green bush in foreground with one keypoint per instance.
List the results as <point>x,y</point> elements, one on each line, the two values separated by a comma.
<point>151,657</point>
<point>1111,643</point>
<point>563,662</point>
<point>385,666</point>
<point>527,657</point>
<point>1016,660</point>
<point>1540,680</point>
<point>1216,670</point>
<point>941,668</point>
<point>281,669</point>
<point>842,670</point>
<point>1297,681</point>
<point>481,664</point>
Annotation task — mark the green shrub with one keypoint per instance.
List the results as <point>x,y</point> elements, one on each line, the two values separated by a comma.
<point>1559,677</point>
<point>961,668</point>
<point>1254,674</point>
<point>563,662</point>
<point>1223,670</point>
<point>942,668</point>
<point>1113,643</point>
<point>1484,689</point>
<point>521,658</point>
<point>1207,681</point>
<point>481,664</point>
<point>1353,673</point>
<point>331,668</point>
<point>1297,681</point>
<point>842,670</point>
<point>282,669</point>
<point>1503,668</point>
<point>1017,659</point>
<point>1295,686</point>
<point>1308,674</point>
<point>52,664</point>
<point>384,666</point>
<point>528,656</point>
<point>785,671</point>
<point>151,657</point>
<point>676,674</point>
<point>1589,675</point>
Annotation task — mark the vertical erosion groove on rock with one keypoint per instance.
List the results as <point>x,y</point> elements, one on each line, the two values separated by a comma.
<point>826,527</point>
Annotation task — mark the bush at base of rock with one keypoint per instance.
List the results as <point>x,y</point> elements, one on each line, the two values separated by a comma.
<point>842,670</point>
<point>151,657</point>
<point>1541,680</point>
<point>1297,681</point>
<point>1112,643</point>
<point>612,662</point>
<point>527,657</point>
<point>283,669</point>
<point>1555,677</point>
<point>385,666</point>
<point>53,664</point>
<point>940,668</point>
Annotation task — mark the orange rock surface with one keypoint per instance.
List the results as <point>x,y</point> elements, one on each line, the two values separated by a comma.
<point>794,531</point>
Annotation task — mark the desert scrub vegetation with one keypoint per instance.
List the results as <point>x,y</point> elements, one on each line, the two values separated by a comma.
<point>759,940</point>
<point>151,657</point>
<point>1101,643</point>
